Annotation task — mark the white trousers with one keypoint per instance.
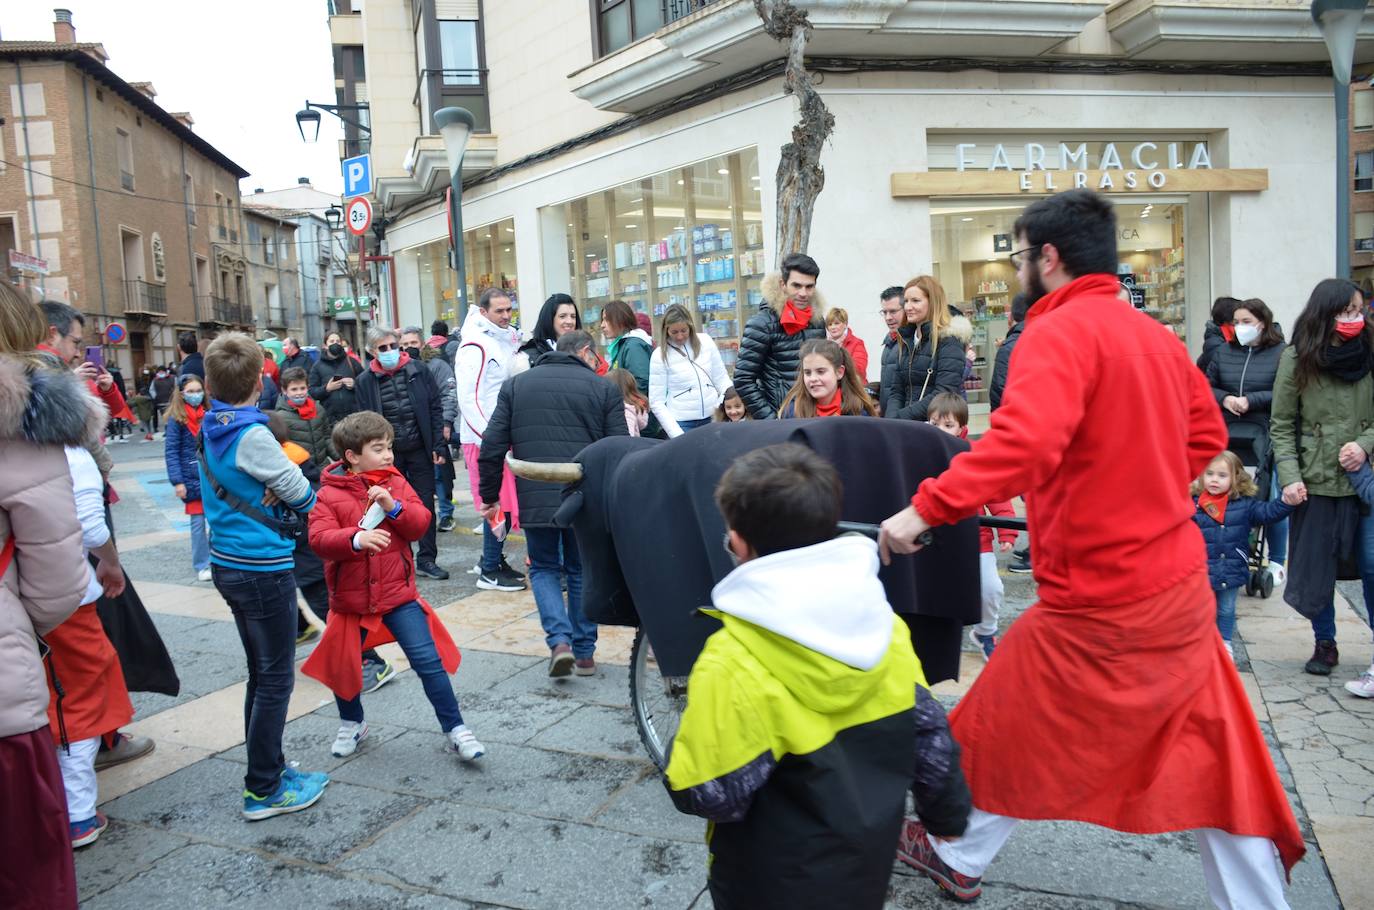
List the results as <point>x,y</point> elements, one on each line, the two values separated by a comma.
<point>78,777</point>
<point>992,593</point>
<point>1242,873</point>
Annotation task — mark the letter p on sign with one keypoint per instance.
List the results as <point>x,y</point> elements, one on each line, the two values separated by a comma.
<point>357,174</point>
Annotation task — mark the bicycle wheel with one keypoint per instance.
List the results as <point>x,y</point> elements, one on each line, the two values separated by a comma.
<point>657,700</point>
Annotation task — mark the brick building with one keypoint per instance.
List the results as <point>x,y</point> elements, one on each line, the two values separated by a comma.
<point>137,217</point>
<point>1362,180</point>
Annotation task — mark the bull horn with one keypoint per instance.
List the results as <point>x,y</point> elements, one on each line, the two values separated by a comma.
<point>549,472</point>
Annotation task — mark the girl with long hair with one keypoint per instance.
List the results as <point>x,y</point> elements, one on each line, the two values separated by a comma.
<point>182,430</point>
<point>827,384</point>
<point>636,405</point>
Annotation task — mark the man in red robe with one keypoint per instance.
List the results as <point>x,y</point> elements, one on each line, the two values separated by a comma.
<point>1112,700</point>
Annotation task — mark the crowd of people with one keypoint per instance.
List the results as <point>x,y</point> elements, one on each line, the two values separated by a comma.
<point>332,475</point>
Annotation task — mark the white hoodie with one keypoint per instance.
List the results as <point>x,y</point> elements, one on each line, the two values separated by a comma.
<point>481,365</point>
<point>686,387</point>
<point>826,597</point>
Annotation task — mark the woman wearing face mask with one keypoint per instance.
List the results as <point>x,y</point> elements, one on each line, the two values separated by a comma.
<point>1242,376</point>
<point>930,357</point>
<point>687,378</point>
<point>332,379</point>
<point>1322,428</point>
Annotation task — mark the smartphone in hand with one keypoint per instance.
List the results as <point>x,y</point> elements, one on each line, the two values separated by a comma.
<point>95,355</point>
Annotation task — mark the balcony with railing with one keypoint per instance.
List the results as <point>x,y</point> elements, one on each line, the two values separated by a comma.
<point>144,299</point>
<point>223,311</point>
<point>276,317</point>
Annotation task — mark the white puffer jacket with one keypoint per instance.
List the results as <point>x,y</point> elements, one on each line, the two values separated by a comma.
<point>685,387</point>
<point>481,365</point>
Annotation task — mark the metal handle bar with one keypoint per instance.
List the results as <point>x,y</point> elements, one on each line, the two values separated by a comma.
<point>926,539</point>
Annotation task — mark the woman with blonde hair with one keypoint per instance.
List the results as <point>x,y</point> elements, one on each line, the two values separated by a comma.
<point>687,378</point>
<point>930,359</point>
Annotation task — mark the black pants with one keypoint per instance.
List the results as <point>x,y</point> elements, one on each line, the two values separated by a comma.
<point>417,466</point>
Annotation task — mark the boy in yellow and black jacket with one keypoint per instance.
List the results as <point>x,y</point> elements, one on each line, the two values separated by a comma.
<point>807,716</point>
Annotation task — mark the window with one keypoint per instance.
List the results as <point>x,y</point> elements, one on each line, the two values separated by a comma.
<point>1364,109</point>
<point>283,248</point>
<point>219,216</point>
<point>190,196</point>
<point>1364,172</point>
<point>458,53</point>
<point>125,146</point>
<point>1364,232</point>
<point>269,249</point>
<point>623,22</point>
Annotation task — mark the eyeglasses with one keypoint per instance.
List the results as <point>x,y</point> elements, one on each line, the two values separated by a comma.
<point>74,339</point>
<point>388,347</point>
<point>886,312</point>
<point>1017,256</point>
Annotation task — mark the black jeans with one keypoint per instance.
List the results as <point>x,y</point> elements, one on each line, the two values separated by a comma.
<point>417,466</point>
<point>264,608</point>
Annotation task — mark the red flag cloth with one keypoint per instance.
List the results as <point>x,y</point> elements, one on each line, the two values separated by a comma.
<point>337,660</point>
<point>1112,700</point>
<point>1214,506</point>
<point>794,318</point>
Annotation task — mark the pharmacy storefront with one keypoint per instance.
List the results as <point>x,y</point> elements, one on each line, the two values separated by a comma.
<point>1223,191</point>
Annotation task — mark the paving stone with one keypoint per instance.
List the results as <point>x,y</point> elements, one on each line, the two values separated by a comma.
<point>225,879</point>
<point>596,730</point>
<point>205,799</point>
<point>507,719</point>
<point>308,738</point>
<point>610,686</point>
<point>520,778</point>
<point>122,851</point>
<point>644,808</point>
<point>909,891</point>
<point>200,673</point>
<point>513,860</point>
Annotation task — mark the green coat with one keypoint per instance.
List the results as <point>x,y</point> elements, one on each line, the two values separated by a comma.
<point>1332,412</point>
<point>312,435</point>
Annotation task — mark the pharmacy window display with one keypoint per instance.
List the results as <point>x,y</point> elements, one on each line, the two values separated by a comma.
<point>692,236</point>
<point>490,262</point>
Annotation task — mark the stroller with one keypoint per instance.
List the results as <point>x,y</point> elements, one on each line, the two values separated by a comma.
<point>1251,444</point>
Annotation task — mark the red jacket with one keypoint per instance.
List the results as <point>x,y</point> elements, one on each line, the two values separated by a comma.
<point>359,582</point>
<point>1110,516</point>
<point>858,352</point>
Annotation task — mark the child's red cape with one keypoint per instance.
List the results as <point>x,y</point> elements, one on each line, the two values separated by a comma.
<point>337,660</point>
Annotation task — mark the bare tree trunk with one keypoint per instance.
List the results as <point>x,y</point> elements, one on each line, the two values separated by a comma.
<point>800,177</point>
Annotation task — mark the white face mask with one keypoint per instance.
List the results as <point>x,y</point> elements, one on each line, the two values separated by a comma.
<point>1247,334</point>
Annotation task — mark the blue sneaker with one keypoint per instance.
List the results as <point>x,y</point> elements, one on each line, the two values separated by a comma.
<point>87,830</point>
<point>985,643</point>
<point>293,771</point>
<point>295,793</point>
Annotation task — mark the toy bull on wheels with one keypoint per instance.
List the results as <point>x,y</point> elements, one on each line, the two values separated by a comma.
<point>650,536</point>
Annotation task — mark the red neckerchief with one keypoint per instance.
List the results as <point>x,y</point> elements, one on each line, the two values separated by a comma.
<point>794,319</point>
<point>378,477</point>
<point>602,367</point>
<point>307,410</point>
<point>832,407</point>
<point>1228,331</point>
<point>963,432</point>
<point>193,418</point>
<point>1214,506</point>
<point>380,370</point>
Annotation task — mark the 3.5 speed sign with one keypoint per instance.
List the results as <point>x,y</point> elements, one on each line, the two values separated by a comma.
<point>359,215</point>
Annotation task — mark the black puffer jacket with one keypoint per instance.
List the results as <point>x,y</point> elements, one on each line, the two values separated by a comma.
<point>1245,372</point>
<point>1212,339</point>
<point>425,404</point>
<point>342,401</point>
<point>549,413</point>
<point>888,376</point>
<point>768,356</point>
<point>919,378</point>
<point>1002,364</point>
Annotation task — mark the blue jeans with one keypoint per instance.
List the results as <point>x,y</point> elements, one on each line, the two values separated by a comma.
<point>264,608</point>
<point>443,489</point>
<point>492,549</point>
<point>693,424</point>
<point>408,623</point>
<point>1277,533</point>
<point>563,625</point>
<point>1226,612</point>
<point>200,543</point>
<point>1324,623</point>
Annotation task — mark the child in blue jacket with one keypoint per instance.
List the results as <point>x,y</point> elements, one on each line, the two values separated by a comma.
<point>182,429</point>
<point>1226,511</point>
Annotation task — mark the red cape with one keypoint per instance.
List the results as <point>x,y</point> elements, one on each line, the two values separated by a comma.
<point>1111,701</point>
<point>337,660</point>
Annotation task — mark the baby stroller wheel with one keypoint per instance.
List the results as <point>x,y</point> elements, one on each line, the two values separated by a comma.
<point>1266,584</point>
<point>1251,584</point>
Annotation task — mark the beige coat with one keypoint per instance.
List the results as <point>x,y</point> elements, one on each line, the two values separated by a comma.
<point>41,410</point>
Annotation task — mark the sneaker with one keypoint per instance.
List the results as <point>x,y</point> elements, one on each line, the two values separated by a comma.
<point>204,575</point>
<point>1363,686</point>
<point>346,741</point>
<point>306,637</point>
<point>494,581</point>
<point>293,794</point>
<point>292,771</point>
<point>584,666</point>
<point>446,523</point>
<point>461,740</point>
<point>1020,565</point>
<point>1230,650</point>
<point>561,660</point>
<point>509,571</point>
<point>915,849</point>
<point>984,643</point>
<point>1277,572</point>
<point>86,832</point>
<point>126,748</point>
<point>147,437</point>
<point>430,570</point>
<point>377,673</point>
<point>1324,658</point>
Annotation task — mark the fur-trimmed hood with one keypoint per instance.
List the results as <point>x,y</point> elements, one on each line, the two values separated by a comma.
<point>47,405</point>
<point>961,328</point>
<point>774,298</point>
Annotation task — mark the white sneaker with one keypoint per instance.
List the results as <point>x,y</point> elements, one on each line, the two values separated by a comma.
<point>204,575</point>
<point>1277,572</point>
<point>462,741</point>
<point>1363,686</point>
<point>1230,651</point>
<point>350,734</point>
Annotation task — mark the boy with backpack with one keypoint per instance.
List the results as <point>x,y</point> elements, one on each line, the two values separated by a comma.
<point>807,716</point>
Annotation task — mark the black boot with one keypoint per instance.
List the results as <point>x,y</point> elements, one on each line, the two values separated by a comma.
<point>1324,658</point>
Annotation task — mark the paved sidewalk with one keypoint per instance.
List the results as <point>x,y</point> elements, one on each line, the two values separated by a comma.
<point>564,810</point>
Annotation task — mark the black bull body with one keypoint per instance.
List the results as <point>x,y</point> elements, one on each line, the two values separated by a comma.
<point>650,535</point>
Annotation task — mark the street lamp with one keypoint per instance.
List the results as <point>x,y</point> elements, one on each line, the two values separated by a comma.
<point>333,217</point>
<point>1339,24</point>
<point>308,118</point>
<point>455,126</point>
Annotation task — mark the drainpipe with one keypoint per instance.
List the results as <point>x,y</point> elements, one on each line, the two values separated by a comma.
<point>95,200</point>
<point>190,250</point>
<point>28,156</point>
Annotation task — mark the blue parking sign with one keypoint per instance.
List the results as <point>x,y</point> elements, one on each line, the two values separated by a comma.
<point>357,175</point>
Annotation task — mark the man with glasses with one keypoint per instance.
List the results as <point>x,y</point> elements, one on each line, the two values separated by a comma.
<point>894,317</point>
<point>1112,701</point>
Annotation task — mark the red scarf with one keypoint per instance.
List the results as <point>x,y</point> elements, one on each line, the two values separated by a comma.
<point>379,477</point>
<point>832,407</point>
<point>380,370</point>
<point>1228,331</point>
<point>794,319</point>
<point>193,418</point>
<point>1214,506</point>
<point>307,410</point>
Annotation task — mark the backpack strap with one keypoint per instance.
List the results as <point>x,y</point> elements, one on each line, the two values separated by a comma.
<point>289,528</point>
